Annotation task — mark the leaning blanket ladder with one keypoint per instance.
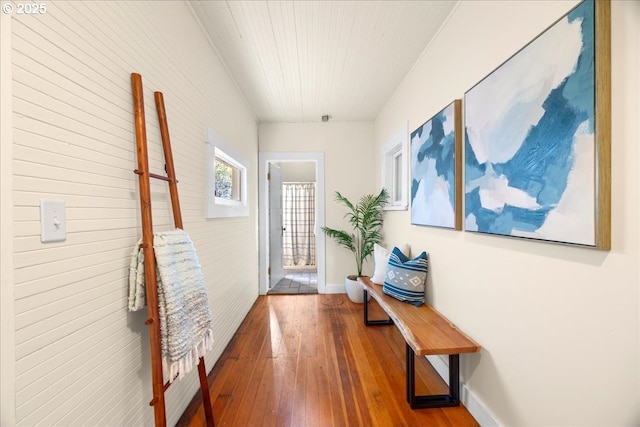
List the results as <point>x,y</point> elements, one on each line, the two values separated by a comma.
<point>159,387</point>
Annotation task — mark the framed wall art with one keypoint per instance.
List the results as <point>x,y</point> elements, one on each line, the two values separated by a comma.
<point>436,170</point>
<point>538,137</point>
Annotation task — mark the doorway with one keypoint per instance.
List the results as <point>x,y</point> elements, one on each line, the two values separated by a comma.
<point>297,221</point>
<point>272,267</point>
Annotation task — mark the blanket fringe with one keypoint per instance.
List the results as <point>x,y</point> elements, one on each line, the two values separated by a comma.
<point>179,368</point>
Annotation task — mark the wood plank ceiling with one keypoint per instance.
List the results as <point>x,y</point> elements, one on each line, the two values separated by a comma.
<point>298,60</point>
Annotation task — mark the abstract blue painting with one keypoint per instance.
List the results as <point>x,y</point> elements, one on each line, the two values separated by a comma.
<point>530,139</point>
<point>436,170</point>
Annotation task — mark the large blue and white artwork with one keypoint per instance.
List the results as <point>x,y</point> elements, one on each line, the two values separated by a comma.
<point>530,139</point>
<point>434,169</point>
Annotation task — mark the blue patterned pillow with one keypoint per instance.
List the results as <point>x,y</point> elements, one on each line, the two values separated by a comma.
<point>406,279</point>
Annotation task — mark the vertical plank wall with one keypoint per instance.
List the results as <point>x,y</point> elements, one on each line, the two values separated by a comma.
<point>80,357</point>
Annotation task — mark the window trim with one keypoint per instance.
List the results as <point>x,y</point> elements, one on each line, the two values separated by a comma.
<point>396,145</point>
<point>218,207</point>
<point>236,185</point>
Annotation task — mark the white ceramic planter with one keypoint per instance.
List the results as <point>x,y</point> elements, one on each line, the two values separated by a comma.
<point>354,290</point>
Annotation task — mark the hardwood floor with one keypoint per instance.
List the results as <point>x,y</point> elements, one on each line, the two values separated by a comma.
<point>308,360</point>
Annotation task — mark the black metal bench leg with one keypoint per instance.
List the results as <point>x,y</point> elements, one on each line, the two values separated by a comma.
<point>454,378</point>
<point>411,375</point>
<point>435,400</point>
<point>368,322</point>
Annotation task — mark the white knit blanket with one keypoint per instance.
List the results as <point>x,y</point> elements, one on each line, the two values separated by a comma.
<point>185,319</point>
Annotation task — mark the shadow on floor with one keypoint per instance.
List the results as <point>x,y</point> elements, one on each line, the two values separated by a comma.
<point>296,281</point>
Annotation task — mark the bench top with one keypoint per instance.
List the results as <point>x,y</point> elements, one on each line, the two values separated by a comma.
<point>424,329</point>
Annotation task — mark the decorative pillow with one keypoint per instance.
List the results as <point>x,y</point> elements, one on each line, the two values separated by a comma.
<point>381,259</point>
<point>406,279</point>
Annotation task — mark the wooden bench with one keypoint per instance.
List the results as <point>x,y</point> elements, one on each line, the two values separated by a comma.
<point>426,332</point>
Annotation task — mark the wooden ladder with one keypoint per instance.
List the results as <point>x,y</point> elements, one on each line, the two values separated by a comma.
<point>159,387</point>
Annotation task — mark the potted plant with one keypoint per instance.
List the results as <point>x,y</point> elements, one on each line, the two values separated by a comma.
<point>365,218</point>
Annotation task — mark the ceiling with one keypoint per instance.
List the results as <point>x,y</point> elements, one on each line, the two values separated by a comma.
<point>298,60</point>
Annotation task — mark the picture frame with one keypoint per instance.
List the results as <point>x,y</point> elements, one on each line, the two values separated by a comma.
<point>436,169</point>
<point>538,137</point>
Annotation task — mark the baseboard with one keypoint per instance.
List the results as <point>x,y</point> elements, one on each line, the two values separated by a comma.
<point>475,407</point>
<point>335,289</point>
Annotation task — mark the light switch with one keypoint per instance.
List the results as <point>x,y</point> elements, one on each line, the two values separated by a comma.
<point>53,224</point>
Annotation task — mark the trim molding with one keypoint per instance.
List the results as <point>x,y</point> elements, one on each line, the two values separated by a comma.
<point>335,289</point>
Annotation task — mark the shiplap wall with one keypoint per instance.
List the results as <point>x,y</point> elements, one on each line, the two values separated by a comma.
<point>81,358</point>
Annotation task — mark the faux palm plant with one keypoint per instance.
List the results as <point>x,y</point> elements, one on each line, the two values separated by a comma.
<point>365,218</point>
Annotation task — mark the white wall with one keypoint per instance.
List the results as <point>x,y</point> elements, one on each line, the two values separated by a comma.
<point>298,171</point>
<point>559,325</point>
<point>80,357</point>
<point>348,150</point>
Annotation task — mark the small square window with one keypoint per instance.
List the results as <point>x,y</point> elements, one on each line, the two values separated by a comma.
<point>227,180</point>
<point>396,194</point>
<point>394,169</point>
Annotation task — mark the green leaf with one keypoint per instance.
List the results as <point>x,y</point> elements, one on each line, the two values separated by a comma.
<point>366,219</point>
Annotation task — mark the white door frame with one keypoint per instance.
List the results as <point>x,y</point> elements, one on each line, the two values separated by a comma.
<point>264,158</point>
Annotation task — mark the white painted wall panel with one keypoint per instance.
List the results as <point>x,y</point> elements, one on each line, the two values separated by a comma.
<point>80,357</point>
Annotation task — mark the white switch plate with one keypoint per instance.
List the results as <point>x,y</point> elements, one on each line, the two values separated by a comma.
<point>53,221</point>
